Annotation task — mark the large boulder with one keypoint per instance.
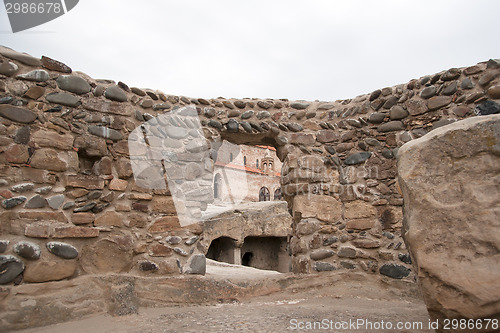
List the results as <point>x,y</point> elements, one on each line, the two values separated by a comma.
<point>451,186</point>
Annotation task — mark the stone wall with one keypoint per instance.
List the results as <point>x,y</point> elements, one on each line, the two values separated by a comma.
<point>72,206</point>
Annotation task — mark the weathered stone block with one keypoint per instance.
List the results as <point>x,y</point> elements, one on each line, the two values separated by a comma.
<point>36,75</point>
<point>292,189</point>
<point>62,250</point>
<point>121,109</point>
<point>347,252</point>
<point>48,159</point>
<point>49,270</point>
<point>105,132</point>
<point>109,218</point>
<point>115,93</point>
<point>110,255</point>
<point>104,166</point>
<point>137,220</point>
<point>159,250</point>
<point>37,230</point>
<point>140,196</point>
<point>86,182</point>
<point>148,266</point>
<point>3,245</point>
<point>17,154</point>
<point>124,168</point>
<point>360,224</point>
<point>55,65</point>
<point>21,57</point>
<point>55,201</point>
<point>46,138</point>
<point>38,176</point>
<point>314,163</point>
<point>325,136</point>
<point>75,232</point>
<point>123,207</point>
<point>164,204</point>
<point>163,224</point>
<point>13,202</point>
<point>359,209</point>
<point>140,207</point>
<point>391,126</point>
<point>28,250</point>
<point>8,68</point>
<point>307,226</point>
<point>321,254</point>
<point>11,268</point>
<point>92,145</point>
<point>357,158</point>
<point>118,185</point>
<point>302,138</point>
<point>123,299</point>
<point>35,92</point>
<point>43,216</point>
<point>63,99</point>
<point>366,243</point>
<point>322,207</point>
<point>438,173</point>
<point>394,271</point>
<point>121,148</point>
<point>320,266</point>
<point>21,188</point>
<point>438,102</point>
<point>36,202</point>
<point>74,84</point>
<point>16,114</point>
<point>197,264</point>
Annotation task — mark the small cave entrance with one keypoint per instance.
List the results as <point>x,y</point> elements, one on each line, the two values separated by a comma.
<point>269,253</point>
<point>262,252</point>
<point>223,249</point>
<point>246,258</point>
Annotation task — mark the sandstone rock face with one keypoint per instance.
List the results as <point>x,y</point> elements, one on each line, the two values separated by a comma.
<point>451,192</point>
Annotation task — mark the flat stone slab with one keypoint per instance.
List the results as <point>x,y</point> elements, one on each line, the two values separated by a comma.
<point>17,114</point>
<point>63,99</point>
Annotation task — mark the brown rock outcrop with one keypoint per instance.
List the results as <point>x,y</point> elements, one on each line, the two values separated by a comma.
<point>451,191</point>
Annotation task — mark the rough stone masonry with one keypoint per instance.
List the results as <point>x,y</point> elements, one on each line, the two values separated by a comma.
<point>71,205</point>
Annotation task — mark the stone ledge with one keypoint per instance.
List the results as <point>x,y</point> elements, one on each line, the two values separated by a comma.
<point>116,294</point>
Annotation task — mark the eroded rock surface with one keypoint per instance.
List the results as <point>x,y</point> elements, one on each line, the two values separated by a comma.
<point>451,185</point>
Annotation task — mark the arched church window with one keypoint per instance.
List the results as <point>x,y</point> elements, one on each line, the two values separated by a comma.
<point>264,194</point>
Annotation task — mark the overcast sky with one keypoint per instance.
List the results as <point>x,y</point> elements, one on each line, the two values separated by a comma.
<point>310,50</point>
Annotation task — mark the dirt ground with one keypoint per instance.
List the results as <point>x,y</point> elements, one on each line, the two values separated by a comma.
<point>349,303</point>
